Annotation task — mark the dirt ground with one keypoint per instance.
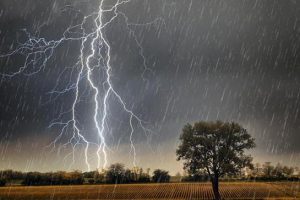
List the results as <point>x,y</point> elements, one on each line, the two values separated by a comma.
<point>231,190</point>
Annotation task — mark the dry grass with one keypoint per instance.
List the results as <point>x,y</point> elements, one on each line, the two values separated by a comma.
<point>237,190</point>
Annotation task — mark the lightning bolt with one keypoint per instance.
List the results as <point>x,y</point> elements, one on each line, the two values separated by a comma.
<point>93,46</point>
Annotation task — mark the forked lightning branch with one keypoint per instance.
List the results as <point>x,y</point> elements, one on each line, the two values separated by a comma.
<point>38,51</point>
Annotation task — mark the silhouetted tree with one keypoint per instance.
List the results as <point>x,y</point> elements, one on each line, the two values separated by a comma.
<point>115,173</point>
<point>215,148</point>
<point>75,178</point>
<point>89,174</point>
<point>144,178</point>
<point>268,170</point>
<point>9,175</point>
<point>99,178</point>
<point>160,176</point>
<point>287,171</point>
<point>279,172</point>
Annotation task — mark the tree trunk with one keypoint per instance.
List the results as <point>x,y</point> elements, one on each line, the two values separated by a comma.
<point>215,186</point>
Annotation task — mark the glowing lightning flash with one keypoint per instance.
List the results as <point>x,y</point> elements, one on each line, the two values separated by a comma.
<point>38,51</point>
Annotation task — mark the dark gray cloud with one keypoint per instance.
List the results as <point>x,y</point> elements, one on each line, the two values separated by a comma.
<point>229,60</point>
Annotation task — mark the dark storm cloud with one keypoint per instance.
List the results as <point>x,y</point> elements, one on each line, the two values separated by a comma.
<point>229,60</point>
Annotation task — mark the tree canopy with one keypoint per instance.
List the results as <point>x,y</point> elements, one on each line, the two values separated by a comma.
<point>160,176</point>
<point>215,148</point>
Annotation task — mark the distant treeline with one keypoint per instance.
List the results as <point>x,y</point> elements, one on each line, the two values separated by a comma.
<point>115,174</point>
<point>38,178</point>
<point>259,172</point>
<point>118,174</point>
<point>270,172</point>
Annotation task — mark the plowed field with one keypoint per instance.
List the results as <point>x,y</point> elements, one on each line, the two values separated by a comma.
<point>244,190</point>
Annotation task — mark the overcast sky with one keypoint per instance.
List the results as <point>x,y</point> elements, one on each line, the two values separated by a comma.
<point>229,60</point>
